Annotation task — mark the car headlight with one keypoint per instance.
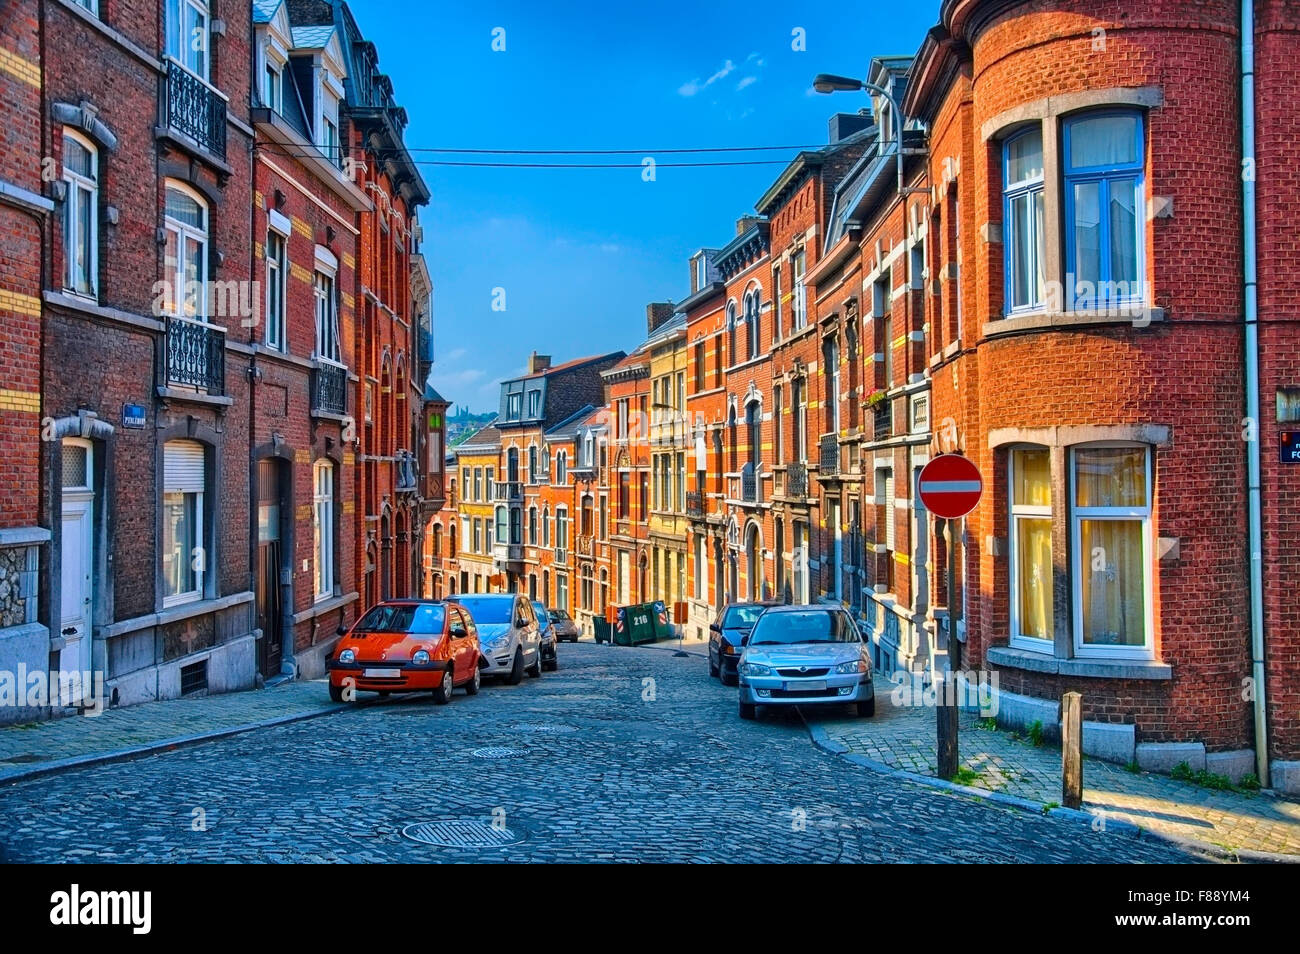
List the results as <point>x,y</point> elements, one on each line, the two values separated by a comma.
<point>852,666</point>
<point>498,642</point>
<point>420,658</point>
<point>348,656</point>
<point>754,669</point>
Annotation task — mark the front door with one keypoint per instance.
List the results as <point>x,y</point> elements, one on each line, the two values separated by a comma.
<point>270,607</point>
<point>76,550</point>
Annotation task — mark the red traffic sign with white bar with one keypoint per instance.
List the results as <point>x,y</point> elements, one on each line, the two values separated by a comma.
<point>950,486</point>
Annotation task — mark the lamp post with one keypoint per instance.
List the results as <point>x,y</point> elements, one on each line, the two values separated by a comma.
<point>831,83</point>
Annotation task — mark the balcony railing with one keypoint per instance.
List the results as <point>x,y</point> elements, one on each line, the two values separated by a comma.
<point>829,457</point>
<point>329,389</point>
<point>509,491</point>
<point>796,479</point>
<point>694,503</point>
<point>883,421</point>
<point>196,356</point>
<point>508,552</point>
<point>195,109</point>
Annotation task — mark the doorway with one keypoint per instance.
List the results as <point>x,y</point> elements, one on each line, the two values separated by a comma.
<point>271,569</point>
<point>76,556</point>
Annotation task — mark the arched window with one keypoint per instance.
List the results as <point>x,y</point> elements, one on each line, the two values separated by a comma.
<point>185,254</point>
<point>80,214</point>
<point>751,320</point>
<point>732,356</point>
<point>562,467</point>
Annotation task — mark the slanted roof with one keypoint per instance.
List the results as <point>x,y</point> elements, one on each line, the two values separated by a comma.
<point>569,427</point>
<point>264,10</point>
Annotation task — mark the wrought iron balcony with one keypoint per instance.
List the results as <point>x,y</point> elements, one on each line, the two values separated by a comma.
<point>796,479</point>
<point>329,389</point>
<point>829,457</point>
<point>694,503</point>
<point>196,356</point>
<point>509,491</point>
<point>883,425</point>
<point>195,109</point>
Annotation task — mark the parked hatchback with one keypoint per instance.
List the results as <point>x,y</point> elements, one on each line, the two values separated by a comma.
<point>550,659</point>
<point>508,634</point>
<point>566,627</point>
<point>805,655</point>
<point>725,635</point>
<point>407,646</point>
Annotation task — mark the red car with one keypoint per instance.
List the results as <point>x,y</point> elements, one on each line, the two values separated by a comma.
<point>408,646</point>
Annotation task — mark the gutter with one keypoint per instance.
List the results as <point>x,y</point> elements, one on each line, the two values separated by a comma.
<point>1250,261</point>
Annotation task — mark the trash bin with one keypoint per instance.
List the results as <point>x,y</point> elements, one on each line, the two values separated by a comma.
<point>603,629</point>
<point>642,623</point>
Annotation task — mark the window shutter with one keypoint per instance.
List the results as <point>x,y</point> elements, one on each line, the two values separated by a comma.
<point>183,467</point>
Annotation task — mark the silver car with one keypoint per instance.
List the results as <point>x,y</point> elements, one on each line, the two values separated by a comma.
<point>509,638</point>
<point>566,628</point>
<point>805,655</point>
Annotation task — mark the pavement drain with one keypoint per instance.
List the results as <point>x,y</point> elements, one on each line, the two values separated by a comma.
<point>464,833</point>
<point>495,752</point>
<point>544,728</point>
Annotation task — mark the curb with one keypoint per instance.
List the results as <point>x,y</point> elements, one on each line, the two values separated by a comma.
<point>667,647</point>
<point>1084,817</point>
<point>165,745</point>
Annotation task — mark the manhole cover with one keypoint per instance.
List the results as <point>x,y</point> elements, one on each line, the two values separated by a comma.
<point>544,727</point>
<point>464,833</point>
<point>494,752</point>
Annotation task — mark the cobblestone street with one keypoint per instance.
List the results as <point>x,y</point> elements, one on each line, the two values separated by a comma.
<point>624,755</point>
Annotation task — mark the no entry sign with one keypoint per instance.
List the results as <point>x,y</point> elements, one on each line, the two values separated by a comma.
<point>950,486</point>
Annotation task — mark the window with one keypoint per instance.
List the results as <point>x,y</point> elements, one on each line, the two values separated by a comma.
<point>602,527</point>
<point>478,483</point>
<point>1111,533</point>
<point>799,419</point>
<point>329,143</point>
<point>514,406</point>
<point>478,535</point>
<point>80,214</point>
<point>562,591</point>
<point>1022,211</point>
<point>699,366</point>
<point>624,495</point>
<point>489,485</point>
<point>681,483</point>
<point>327,319</point>
<point>546,525</point>
<point>883,306</point>
<point>1103,166</point>
<point>561,533</point>
<point>275,288</point>
<point>533,470</point>
<point>732,355</point>
<point>776,304</point>
<point>831,355</point>
<point>184,559</point>
<point>273,87</point>
<point>751,321</point>
<point>1031,548</point>
<point>323,528</point>
<point>799,304</point>
<point>778,428</point>
<point>701,272</point>
<point>185,256</point>
<point>91,5</point>
<point>187,35</point>
<point>562,467</point>
<point>534,403</point>
<point>532,526</point>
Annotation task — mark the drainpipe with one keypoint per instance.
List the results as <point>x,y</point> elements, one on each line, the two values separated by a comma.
<point>1253,503</point>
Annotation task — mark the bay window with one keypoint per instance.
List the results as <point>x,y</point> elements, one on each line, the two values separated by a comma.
<point>1022,201</point>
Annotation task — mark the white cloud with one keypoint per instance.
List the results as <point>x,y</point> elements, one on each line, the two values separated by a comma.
<point>746,81</point>
<point>694,86</point>
<point>455,354</point>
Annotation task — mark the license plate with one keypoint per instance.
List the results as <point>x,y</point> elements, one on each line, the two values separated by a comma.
<point>381,673</point>
<point>807,685</point>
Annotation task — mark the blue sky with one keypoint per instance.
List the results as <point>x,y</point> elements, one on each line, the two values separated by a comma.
<point>579,252</point>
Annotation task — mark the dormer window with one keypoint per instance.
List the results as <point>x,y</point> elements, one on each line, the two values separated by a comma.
<point>701,272</point>
<point>329,129</point>
<point>273,87</point>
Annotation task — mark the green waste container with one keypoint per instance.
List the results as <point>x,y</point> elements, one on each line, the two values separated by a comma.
<point>604,629</point>
<point>642,623</point>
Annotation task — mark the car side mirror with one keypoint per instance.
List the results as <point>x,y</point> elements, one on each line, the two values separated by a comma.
<point>715,627</point>
<point>341,631</point>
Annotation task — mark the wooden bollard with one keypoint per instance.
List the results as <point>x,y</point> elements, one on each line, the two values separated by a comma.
<point>1072,750</point>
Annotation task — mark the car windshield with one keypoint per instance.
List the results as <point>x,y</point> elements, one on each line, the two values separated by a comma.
<point>742,617</point>
<point>488,609</point>
<point>558,615</point>
<point>812,626</point>
<point>404,618</point>
<point>541,612</point>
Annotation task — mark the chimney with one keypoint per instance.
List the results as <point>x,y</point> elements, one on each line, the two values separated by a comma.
<point>844,125</point>
<point>538,362</point>
<point>744,222</point>
<point>656,313</point>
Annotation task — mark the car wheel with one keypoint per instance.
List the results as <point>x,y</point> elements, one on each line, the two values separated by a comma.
<point>535,670</point>
<point>748,710</point>
<point>472,687</point>
<point>713,666</point>
<point>336,693</point>
<point>867,708</point>
<point>517,669</point>
<point>442,695</point>
<point>725,678</point>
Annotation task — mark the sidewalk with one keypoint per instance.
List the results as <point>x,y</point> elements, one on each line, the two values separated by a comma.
<point>903,738</point>
<point>38,747</point>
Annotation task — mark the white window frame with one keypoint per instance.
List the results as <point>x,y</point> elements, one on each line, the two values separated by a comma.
<point>1079,565</point>
<point>73,227</point>
<point>561,468</point>
<point>327,297</point>
<point>180,49</point>
<point>798,269</point>
<point>277,281</point>
<point>323,528</point>
<point>1015,512</point>
<point>561,533</point>
<point>199,541</point>
<point>176,279</point>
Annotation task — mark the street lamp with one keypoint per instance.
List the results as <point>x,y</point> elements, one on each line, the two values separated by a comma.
<point>831,83</point>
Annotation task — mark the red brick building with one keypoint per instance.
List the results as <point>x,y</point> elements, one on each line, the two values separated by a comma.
<point>25,209</point>
<point>627,402</point>
<point>148,304</point>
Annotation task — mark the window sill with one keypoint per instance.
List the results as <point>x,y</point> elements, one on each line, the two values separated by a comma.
<point>1084,667</point>
<point>194,397</point>
<point>1065,320</point>
<point>325,606</point>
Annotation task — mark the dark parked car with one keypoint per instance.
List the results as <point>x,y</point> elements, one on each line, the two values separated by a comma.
<point>566,627</point>
<point>733,624</point>
<point>550,637</point>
